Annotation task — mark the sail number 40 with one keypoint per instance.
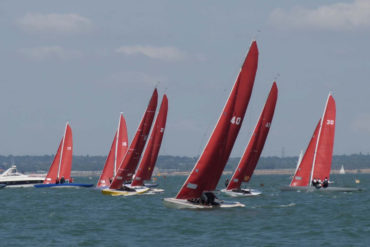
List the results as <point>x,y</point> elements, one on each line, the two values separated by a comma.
<point>329,122</point>
<point>236,120</point>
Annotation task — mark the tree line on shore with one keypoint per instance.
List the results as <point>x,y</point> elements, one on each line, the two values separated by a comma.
<point>41,163</point>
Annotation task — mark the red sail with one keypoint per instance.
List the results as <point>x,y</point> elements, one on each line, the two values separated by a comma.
<point>253,151</point>
<point>325,144</point>
<point>303,173</point>
<point>128,165</point>
<point>62,163</point>
<point>146,167</point>
<point>53,170</point>
<point>115,155</point>
<point>66,159</point>
<point>208,170</point>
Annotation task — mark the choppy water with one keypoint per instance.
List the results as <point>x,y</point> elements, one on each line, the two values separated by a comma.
<point>85,217</point>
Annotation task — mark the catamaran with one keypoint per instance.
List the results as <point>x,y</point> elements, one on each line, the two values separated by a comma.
<point>147,163</point>
<point>197,191</point>
<point>131,159</point>
<point>115,156</point>
<point>249,160</point>
<point>59,174</point>
<point>315,165</point>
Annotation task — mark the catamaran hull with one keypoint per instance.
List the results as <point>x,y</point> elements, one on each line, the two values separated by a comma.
<point>70,185</point>
<point>313,189</point>
<point>185,204</point>
<point>113,192</point>
<point>241,193</point>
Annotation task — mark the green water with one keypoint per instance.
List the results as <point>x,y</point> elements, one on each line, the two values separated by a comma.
<point>85,217</point>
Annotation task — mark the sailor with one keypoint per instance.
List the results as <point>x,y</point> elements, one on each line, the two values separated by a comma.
<point>319,184</point>
<point>62,180</point>
<point>57,181</point>
<point>325,183</point>
<point>314,182</point>
<point>71,180</point>
<point>226,182</point>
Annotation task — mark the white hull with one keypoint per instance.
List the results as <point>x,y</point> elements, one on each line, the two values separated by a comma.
<point>153,191</point>
<point>14,179</point>
<point>185,204</point>
<point>113,192</point>
<point>313,189</point>
<point>20,186</point>
<point>241,192</point>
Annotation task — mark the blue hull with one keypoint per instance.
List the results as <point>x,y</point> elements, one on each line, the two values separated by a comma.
<point>66,185</point>
<point>2,186</point>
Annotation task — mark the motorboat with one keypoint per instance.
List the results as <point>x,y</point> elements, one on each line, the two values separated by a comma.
<point>13,178</point>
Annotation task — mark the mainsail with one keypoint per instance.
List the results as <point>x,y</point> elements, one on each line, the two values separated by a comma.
<point>146,167</point>
<point>248,162</point>
<point>116,154</point>
<point>208,169</point>
<point>128,165</point>
<point>62,163</point>
<point>316,162</point>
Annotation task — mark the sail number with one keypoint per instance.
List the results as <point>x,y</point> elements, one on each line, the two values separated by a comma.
<point>329,122</point>
<point>236,120</point>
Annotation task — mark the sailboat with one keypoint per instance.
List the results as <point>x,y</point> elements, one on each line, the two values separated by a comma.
<point>316,162</point>
<point>115,156</point>
<point>59,174</point>
<point>129,163</point>
<point>249,160</point>
<point>342,171</point>
<point>197,191</point>
<point>146,166</point>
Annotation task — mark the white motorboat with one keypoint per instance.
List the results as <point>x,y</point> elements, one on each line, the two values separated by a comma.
<point>12,178</point>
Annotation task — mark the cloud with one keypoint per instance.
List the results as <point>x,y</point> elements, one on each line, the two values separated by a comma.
<point>55,23</point>
<point>49,52</point>
<point>361,124</point>
<point>337,17</point>
<point>134,80</point>
<point>166,53</point>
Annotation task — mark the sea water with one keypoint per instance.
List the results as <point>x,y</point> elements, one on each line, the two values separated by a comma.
<point>85,217</point>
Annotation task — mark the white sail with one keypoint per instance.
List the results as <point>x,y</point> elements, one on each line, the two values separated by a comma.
<point>342,171</point>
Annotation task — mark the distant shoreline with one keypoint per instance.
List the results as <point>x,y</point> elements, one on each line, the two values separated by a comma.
<point>257,172</point>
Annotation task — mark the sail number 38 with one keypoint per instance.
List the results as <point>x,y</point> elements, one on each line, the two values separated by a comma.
<point>236,120</point>
<point>329,122</point>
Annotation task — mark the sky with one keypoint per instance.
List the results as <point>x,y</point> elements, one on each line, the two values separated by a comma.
<point>87,61</point>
